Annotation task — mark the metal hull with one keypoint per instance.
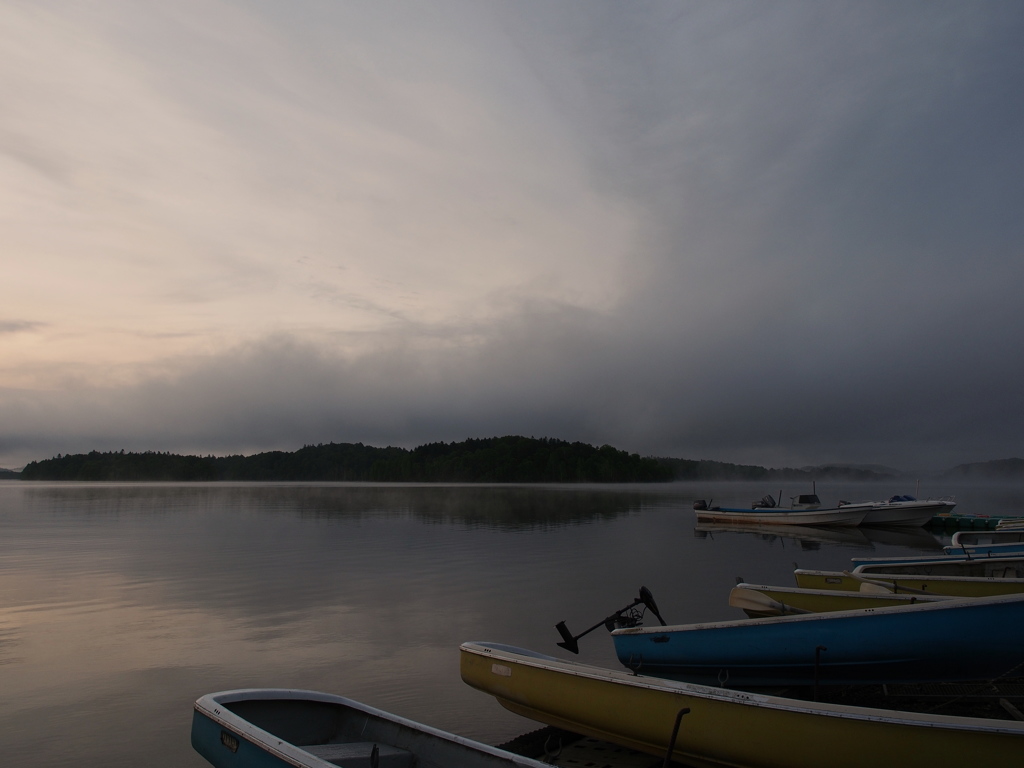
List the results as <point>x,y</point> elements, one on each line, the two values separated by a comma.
<point>272,728</point>
<point>730,728</point>
<point>941,641</point>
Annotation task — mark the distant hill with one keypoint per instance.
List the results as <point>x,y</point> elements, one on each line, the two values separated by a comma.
<point>9,474</point>
<point>686,469</point>
<point>1000,469</point>
<point>509,459</point>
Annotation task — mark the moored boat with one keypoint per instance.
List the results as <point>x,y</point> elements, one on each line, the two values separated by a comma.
<point>926,641</point>
<point>276,728</point>
<point>930,561</point>
<point>977,543</point>
<point>901,510</point>
<point>804,509</point>
<point>957,586</point>
<point>758,600</point>
<point>708,726</point>
<point>1008,567</point>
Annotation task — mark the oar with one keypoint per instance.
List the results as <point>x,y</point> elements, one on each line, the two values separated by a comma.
<point>752,600</point>
<point>891,586</point>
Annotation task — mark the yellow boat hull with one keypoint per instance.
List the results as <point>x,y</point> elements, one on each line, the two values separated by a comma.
<point>730,728</point>
<point>954,586</point>
<point>757,600</point>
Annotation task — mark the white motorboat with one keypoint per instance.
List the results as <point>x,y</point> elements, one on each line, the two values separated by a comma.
<point>900,510</point>
<point>804,509</point>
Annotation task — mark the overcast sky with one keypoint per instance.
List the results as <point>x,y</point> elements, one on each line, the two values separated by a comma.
<point>776,233</point>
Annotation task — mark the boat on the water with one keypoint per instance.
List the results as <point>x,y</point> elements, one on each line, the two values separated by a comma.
<point>1008,567</point>
<point>960,555</point>
<point>276,728</point>
<point>758,600</point>
<point>948,640</point>
<point>979,543</point>
<point>804,509</point>
<point>956,586</point>
<point>901,510</point>
<point>707,726</point>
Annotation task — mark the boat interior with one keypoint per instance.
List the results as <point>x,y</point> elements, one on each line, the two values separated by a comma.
<point>352,738</point>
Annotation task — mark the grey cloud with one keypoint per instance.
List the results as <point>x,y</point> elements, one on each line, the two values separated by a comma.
<point>559,373</point>
<point>828,264</point>
<point>18,326</point>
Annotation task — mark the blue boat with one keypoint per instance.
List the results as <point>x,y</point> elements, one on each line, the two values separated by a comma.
<point>978,543</point>
<point>1001,552</point>
<point>952,640</point>
<point>275,728</point>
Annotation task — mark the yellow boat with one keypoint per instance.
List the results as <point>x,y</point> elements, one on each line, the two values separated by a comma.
<point>757,600</point>
<point>954,586</point>
<point>722,727</point>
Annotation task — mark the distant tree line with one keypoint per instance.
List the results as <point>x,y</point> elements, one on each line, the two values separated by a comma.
<point>687,469</point>
<point>491,460</point>
<point>1000,469</point>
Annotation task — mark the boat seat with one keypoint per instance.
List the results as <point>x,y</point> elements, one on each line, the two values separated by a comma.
<point>356,754</point>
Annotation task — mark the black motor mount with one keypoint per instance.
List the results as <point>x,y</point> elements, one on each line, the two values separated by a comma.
<point>624,617</point>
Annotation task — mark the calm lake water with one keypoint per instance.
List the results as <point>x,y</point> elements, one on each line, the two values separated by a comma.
<point>120,604</point>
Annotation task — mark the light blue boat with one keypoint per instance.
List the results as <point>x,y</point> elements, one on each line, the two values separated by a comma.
<point>949,555</point>
<point>276,728</point>
<point>960,639</point>
<point>982,543</point>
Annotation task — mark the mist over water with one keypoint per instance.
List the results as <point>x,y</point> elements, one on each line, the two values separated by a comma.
<point>120,604</point>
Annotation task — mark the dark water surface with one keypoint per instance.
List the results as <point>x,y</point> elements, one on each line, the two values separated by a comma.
<point>120,604</point>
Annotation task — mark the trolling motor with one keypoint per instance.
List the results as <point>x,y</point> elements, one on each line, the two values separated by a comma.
<point>624,617</point>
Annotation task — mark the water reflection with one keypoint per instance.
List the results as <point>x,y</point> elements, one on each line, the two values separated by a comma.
<point>810,537</point>
<point>806,536</point>
<point>120,604</point>
<point>507,507</point>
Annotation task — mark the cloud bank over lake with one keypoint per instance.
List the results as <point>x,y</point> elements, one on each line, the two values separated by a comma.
<point>781,234</point>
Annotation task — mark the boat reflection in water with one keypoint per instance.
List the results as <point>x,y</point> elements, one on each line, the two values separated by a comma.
<point>807,536</point>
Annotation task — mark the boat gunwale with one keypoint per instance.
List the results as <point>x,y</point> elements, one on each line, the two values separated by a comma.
<point>866,565</point>
<point>215,707</point>
<point>953,602</point>
<point>913,577</point>
<point>902,597</point>
<point>527,658</point>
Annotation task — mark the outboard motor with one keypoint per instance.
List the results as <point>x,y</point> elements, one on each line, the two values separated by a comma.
<point>700,504</point>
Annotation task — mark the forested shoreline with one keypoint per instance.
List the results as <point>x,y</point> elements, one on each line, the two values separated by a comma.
<point>510,459</point>
<point>491,460</point>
